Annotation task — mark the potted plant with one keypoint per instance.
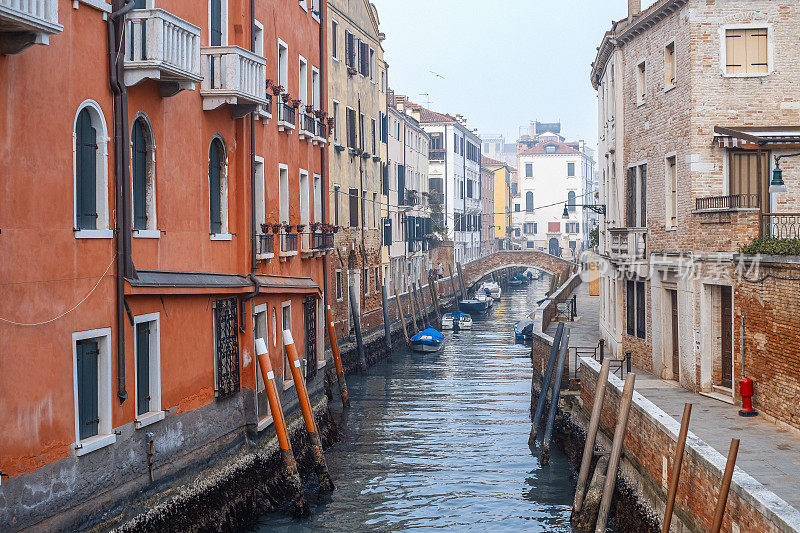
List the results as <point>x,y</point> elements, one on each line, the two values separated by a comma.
<point>276,228</point>
<point>295,104</point>
<point>315,226</point>
<point>286,97</point>
<point>352,71</point>
<point>301,228</point>
<point>265,228</point>
<point>288,228</point>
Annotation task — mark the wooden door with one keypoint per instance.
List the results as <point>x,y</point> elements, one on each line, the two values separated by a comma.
<point>676,362</point>
<point>726,310</point>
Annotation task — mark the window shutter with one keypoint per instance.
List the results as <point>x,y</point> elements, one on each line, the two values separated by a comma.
<point>214,190</point>
<point>640,310</point>
<point>643,221</point>
<point>139,177</point>
<point>630,199</point>
<point>735,51</point>
<point>354,208</point>
<point>401,185</point>
<point>630,307</point>
<point>143,367</point>
<point>756,46</point>
<point>88,421</point>
<point>216,22</point>
<point>86,172</point>
<point>387,231</point>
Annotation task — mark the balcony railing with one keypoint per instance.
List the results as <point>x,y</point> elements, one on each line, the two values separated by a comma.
<point>288,243</point>
<point>266,244</point>
<point>33,21</point>
<point>436,155</point>
<point>232,75</point>
<point>286,117</point>
<point>322,241</point>
<point>628,243</point>
<point>780,225</point>
<point>265,110</point>
<point>322,131</point>
<point>307,126</point>
<point>721,203</point>
<point>161,46</point>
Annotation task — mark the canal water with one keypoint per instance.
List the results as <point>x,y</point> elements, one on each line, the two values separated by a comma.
<point>439,441</point>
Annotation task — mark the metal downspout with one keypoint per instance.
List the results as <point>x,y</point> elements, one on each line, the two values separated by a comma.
<point>253,240</point>
<point>324,174</point>
<point>125,268</point>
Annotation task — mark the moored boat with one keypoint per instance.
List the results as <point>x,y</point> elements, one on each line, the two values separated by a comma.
<point>427,340</point>
<point>448,321</point>
<point>485,298</point>
<point>473,306</point>
<point>492,289</point>
<point>464,321</point>
<point>523,329</point>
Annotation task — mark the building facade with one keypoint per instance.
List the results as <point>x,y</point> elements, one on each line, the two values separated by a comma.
<point>696,100</point>
<point>495,147</point>
<point>502,175</point>
<point>357,80</point>
<point>176,214</point>
<point>488,242</point>
<point>552,171</point>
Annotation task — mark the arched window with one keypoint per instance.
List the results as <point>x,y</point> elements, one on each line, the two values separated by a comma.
<point>529,201</point>
<point>571,201</point>
<point>90,153</point>
<point>143,177</point>
<point>218,188</point>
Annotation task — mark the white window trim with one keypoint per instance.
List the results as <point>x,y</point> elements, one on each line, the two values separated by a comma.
<point>639,100</point>
<point>281,80</point>
<point>262,188</point>
<point>223,24</point>
<point>668,88</point>
<point>668,188</point>
<point>267,421</point>
<point>152,232</point>
<point>316,90</point>
<point>260,27</point>
<point>303,5</point>
<point>105,432</point>
<point>103,230</point>
<point>336,286</point>
<point>224,234</point>
<point>287,383</point>
<point>335,50</point>
<point>156,413</point>
<point>336,105</point>
<point>102,5</point>
<point>283,167</point>
<point>302,84</point>
<point>723,52</point>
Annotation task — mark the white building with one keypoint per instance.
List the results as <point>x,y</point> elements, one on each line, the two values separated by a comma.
<point>552,171</point>
<point>496,147</point>
<point>408,221</point>
<point>454,173</point>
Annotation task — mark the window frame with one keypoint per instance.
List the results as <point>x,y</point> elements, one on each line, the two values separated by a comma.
<point>287,383</point>
<point>263,420</point>
<point>223,23</point>
<point>105,431</point>
<point>671,191</point>
<point>224,233</point>
<point>669,85</point>
<point>151,230</point>
<point>723,45</point>
<point>103,229</point>
<point>641,82</point>
<point>335,40</point>
<point>155,413</point>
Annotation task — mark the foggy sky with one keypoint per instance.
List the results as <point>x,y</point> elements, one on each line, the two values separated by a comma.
<point>503,64</point>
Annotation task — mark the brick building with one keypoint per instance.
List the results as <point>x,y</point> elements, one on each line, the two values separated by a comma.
<point>168,226</point>
<point>696,99</point>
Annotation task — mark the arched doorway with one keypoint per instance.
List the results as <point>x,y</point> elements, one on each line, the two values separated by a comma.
<point>553,247</point>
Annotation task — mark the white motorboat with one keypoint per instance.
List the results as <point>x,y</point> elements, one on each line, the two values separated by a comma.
<point>464,321</point>
<point>492,289</point>
<point>447,321</point>
<point>483,297</point>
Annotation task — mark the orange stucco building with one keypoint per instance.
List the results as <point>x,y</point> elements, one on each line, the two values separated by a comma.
<point>151,188</point>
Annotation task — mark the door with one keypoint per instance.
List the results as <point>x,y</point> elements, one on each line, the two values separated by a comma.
<point>553,247</point>
<point>676,362</point>
<point>726,311</point>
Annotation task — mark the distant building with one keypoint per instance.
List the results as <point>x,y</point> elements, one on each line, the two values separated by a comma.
<point>488,242</point>
<point>495,147</point>
<point>502,175</point>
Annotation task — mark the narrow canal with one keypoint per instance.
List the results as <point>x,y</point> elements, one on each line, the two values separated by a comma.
<point>439,441</point>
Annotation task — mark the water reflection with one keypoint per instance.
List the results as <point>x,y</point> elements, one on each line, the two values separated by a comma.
<point>440,440</point>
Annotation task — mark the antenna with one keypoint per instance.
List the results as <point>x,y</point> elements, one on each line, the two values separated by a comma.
<point>427,98</point>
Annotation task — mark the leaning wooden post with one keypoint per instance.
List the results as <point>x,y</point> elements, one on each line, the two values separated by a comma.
<point>452,283</point>
<point>461,281</point>
<point>325,482</point>
<point>722,501</point>
<point>299,504</point>
<point>591,437</point>
<point>616,450</point>
<point>585,520</point>
<point>401,314</point>
<point>413,306</point>
<point>354,309</point>
<point>421,303</point>
<point>676,467</point>
<point>387,326</point>
<point>337,360</point>
<point>434,297</point>
<point>551,415</point>
<point>551,363</point>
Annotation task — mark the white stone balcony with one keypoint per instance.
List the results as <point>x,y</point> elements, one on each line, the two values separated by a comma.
<point>163,47</point>
<point>27,22</point>
<point>628,244</point>
<point>233,76</point>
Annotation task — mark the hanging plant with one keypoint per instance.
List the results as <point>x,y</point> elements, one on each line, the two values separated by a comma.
<point>265,228</point>
<point>300,228</point>
<point>295,104</point>
<point>316,226</point>
<point>286,97</point>
<point>288,228</point>
<point>276,228</point>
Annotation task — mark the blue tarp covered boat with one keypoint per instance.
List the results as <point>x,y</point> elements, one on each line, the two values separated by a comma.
<point>523,329</point>
<point>427,340</point>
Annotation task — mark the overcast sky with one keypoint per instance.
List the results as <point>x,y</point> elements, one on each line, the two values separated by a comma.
<point>502,64</point>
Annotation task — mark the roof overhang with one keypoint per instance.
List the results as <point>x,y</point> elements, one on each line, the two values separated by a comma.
<point>757,137</point>
<point>168,282</point>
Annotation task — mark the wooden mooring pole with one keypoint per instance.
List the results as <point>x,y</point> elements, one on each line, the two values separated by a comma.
<point>401,314</point>
<point>616,451</point>
<point>551,415</point>
<point>452,284</point>
<point>727,477</point>
<point>299,503</point>
<point>412,303</point>
<point>676,467</point>
<point>387,325</point>
<point>591,437</point>
<point>434,298</point>
<point>337,360</point>
<point>423,315</point>
<point>354,310</point>
<point>551,363</point>
<point>325,481</point>
<point>461,281</point>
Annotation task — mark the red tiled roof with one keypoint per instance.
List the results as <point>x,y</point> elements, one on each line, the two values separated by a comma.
<point>561,148</point>
<point>489,161</point>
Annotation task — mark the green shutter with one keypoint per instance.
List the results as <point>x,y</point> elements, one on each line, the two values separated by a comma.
<point>86,171</point>
<point>139,177</point>
<point>215,191</point>
<point>87,352</point>
<point>216,22</point>
<point>143,368</point>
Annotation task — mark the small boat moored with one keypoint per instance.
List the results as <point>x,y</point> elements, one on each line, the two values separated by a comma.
<point>473,306</point>
<point>448,321</point>
<point>492,289</point>
<point>464,321</point>
<point>523,329</point>
<point>480,296</point>
<point>427,340</point>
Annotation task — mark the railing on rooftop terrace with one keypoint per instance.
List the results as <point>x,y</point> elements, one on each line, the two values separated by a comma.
<point>733,201</point>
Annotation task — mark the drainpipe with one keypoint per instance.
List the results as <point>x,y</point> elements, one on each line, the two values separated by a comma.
<point>243,314</point>
<point>323,174</point>
<point>253,239</point>
<point>122,181</point>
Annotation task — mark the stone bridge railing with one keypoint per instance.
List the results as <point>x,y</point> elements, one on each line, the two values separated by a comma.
<point>474,271</point>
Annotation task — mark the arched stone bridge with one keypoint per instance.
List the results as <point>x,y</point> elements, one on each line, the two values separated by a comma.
<point>475,270</point>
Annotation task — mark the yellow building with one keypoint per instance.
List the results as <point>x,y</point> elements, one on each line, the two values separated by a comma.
<point>503,176</point>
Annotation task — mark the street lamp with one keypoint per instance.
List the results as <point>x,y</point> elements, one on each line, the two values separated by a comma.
<point>600,209</point>
<point>777,184</point>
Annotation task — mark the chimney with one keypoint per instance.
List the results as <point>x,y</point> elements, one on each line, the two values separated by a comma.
<point>634,8</point>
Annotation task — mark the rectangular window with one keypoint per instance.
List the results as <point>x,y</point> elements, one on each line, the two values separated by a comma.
<point>148,375</point>
<point>260,332</point>
<point>349,49</point>
<point>630,307</point>
<point>283,194</point>
<point>669,65</point>
<point>338,285</point>
<point>335,205</point>
<point>302,81</point>
<point>352,139</point>
<point>375,210</point>
<point>528,170</point>
<point>364,219</point>
<point>361,144</point>
<point>641,83</point>
<point>283,65</point>
<point>374,137</point>
<point>335,40</point>
<point>672,192</point>
<point>572,227</point>
<point>377,279</point>
<point>315,89</point>
<point>286,323</point>
<point>640,310</point>
<point>571,170</point>
<point>366,282</point>
<point>529,228</point>
<point>636,197</point>
<point>746,51</point>
<point>354,208</point>
<point>336,137</point>
<point>92,390</point>
<point>372,64</point>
